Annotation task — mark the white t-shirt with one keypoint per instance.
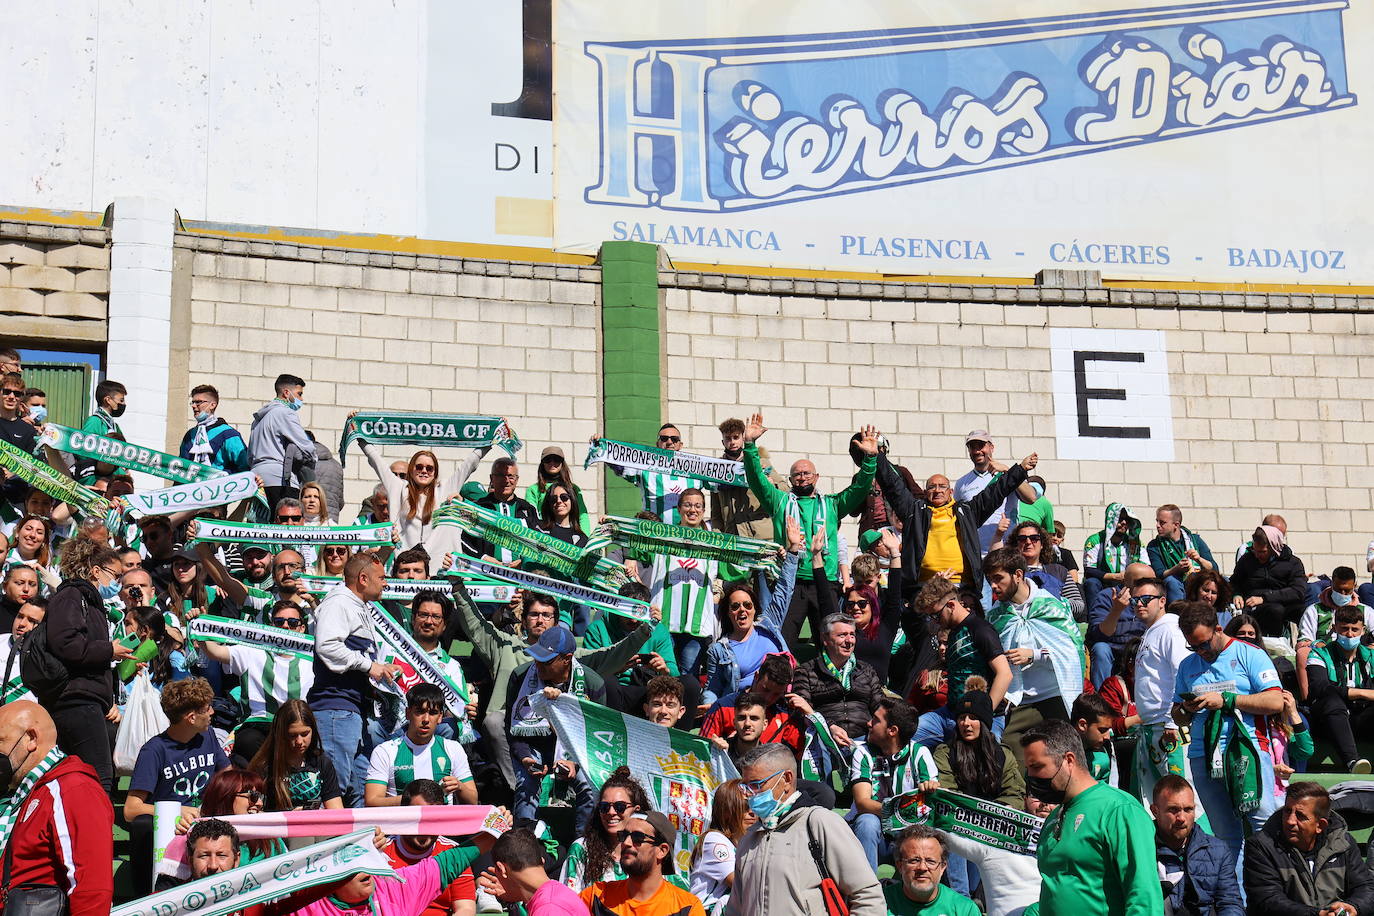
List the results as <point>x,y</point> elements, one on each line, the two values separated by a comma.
<point>1162,650</point>
<point>716,864</point>
<point>969,486</point>
<point>398,762</point>
<point>269,679</point>
<point>1307,627</point>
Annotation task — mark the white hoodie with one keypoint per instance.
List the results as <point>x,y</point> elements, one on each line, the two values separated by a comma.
<point>1162,650</point>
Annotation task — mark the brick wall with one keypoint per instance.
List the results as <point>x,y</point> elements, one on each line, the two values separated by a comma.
<point>1272,406</point>
<point>54,282</point>
<point>367,329</point>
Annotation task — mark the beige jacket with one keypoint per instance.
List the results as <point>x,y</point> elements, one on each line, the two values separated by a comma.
<point>737,511</point>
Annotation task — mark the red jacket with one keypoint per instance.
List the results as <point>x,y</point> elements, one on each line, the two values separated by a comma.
<point>64,837</point>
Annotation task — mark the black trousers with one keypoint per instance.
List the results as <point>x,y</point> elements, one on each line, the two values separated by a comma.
<point>141,854</point>
<point>1338,721</point>
<point>83,732</point>
<point>812,601</point>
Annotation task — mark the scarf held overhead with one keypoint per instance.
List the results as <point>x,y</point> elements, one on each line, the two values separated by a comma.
<point>963,815</point>
<point>580,594</point>
<point>209,628</point>
<point>434,430</point>
<point>393,589</point>
<point>650,537</point>
<point>538,548</point>
<point>630,457</point>
<point>219,491</point>
<point>54,483</point>
<point>214,531</point>
<point>127,455</point>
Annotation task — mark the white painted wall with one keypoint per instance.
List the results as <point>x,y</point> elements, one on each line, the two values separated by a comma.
<point>350,115</point>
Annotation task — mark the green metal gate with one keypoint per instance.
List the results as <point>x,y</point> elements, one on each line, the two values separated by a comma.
<point>68,386</point>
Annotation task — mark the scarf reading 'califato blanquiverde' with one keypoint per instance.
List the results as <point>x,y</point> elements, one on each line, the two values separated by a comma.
<point>59,486</point>
<point>127,455</point>
<point>650,537</point>
<point>399,647</point>
<point>219,532</point>
<point>209,628</point>
<point>630,457</point>
<point>965,816</point>
<point>435,430</point>
<point>392,589</point>
<point>570,591</point>
<point>538,548</point>
<point>12,803</point>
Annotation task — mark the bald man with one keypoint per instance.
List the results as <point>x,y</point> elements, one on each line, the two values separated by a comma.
<point>940,533</point>
<point>59,819</point>
<point>1112,622</point>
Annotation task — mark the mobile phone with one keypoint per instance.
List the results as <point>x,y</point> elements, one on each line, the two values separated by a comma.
<point>1188,697</point>
<point>644,658</point>
<point>561,771</point>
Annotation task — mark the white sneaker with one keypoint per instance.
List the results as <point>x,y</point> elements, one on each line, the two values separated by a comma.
<point>1361,767</point>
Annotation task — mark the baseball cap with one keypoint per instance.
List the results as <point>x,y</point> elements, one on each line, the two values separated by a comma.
<point>869,538</point>
<point>553,642</point>
<point>246,549</point>
<point>977,435</point>
<point>553,450</point>
<point>663,832</point>
<point>186,553</point>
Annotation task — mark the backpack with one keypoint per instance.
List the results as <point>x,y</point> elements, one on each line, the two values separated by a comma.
<point>43,672</point>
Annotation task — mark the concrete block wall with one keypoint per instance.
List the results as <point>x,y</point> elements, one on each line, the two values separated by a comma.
<point>1273,409</point>
<point>395,331</point>
<point>54,282</point>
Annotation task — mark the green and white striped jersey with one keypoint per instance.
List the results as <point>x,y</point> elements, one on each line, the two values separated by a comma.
<point>682,588</point>
<point>891,776</point>
<point>661,492</point>
<point>399,762</point>
<point>269,679</point>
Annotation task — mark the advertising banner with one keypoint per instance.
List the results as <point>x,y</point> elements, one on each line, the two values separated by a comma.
<point>1201,141</point>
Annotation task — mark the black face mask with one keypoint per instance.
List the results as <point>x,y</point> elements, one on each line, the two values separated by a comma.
<point>734,453</point>
<point>808,490</point>
<point>7,768</point>
<point>1042,787</point>
<point>118,411</point>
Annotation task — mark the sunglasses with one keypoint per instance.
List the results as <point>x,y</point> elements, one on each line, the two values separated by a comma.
<point>333,550</point>
<point>562,498</point>
<point>12,393</point>
<point>254,797</point>
<point>636,837</point>
<point>619,807</point>
<point>289,518</point>
<point>670,439</point>
<point>293,623</point>
<point>425,467</point>
<point>859,603</point>
<point>1028,539</point>
<point>1138,600</point>
<point>741,605</point>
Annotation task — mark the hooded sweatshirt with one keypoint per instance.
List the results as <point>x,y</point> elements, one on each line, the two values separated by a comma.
<point>1102,555</point>
<point>275,427</point>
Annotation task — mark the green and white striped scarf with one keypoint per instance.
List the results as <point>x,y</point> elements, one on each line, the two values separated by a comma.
<point>840,674</point>
<point>432,430</point>
<point>965,816</point>
<point>218,532</point>
<point>59,486</point>
<point>10,805</point>
<point>649,537</point>
<point>1172,552</point>
<point>525,720</point>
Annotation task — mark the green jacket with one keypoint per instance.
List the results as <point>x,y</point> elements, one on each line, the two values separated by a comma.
<point>599,636</point>
<point>503,652</point>
<point>836,506</point>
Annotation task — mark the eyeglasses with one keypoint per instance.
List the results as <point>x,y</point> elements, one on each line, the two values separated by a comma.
<point>751,787</point>
<point>1028,539</point>
<point>1200,647</point>
<point>636,837</point>
<point>670,439</point>
<point>619,807</point>
<point>540,615</point>
<point>428,616</point>
<point>917,862</point>
<point>12,393</point>
<point>562,498</point>
<point>857,603</point>
<point>290,566</point>
<point>289,518</point>
<point>291,623</point>
<point>741,605</point>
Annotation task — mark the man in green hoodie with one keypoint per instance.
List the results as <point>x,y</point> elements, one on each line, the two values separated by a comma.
<point>815,513</point>
<point>1108,552</point>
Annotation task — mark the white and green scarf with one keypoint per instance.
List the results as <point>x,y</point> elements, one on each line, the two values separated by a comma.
<point>432,430</point>
<point>209,628</point>
<point>290,535</point>
<point>655,538</point>
<point>525,720</point>
<point>392,589</point>
<point>127,455</point>
<point>398,646</point>
<point>629,457</point>
<point>11,804</point>
<point>1047,623</point>
<point>580,594</point>
<point>41,477</point>
<point>191,496</point>
<point>842,674</point>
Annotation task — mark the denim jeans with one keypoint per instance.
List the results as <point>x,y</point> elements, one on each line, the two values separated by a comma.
<point>869,830</point>
<point>341,734</point>
<point>1226,824</point>
<point>528,789</point>
<point>937,727</point>
<point>1173,589</point>
<point>691,652</point>
<point>1103,659</point>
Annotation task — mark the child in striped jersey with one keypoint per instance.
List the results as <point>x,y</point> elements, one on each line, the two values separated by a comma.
<point>419,754</point>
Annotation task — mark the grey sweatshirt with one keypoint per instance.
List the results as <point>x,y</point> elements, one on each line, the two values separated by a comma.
<point>275,427</point>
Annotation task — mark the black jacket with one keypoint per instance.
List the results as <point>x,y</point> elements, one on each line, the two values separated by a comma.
<point>79,634</point>
<point>848,708</point>
<point>1281,581</point>
<point>968,516</point>
<point>1279,883</point>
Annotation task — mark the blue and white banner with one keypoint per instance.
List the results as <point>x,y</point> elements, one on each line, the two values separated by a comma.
<point>997,139</point>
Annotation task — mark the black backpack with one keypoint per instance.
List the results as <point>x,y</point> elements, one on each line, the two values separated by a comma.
<point>43,672</point>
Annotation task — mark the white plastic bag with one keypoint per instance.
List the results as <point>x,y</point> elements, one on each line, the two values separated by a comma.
<point>143,718</point>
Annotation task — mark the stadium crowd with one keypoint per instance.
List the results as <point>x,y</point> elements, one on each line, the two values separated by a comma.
<point>1128,727</point>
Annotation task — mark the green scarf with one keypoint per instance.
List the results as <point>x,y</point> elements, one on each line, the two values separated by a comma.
<point>1237,763</point>
<point>644,536</point>
<point>127,455</point>
<point>54,483</point>
<point>208,628</point>
<point>432,430</point>
<point>525,721</point>
<point>538,548</point>
<point>1172,552</point>
<point>840,674</point>
<point>11,804</point>
<point>629,457</point>
<point>965,816</point>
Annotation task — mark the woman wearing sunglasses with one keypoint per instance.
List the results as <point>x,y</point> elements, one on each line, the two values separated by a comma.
<point>1031,541</point>
<point>594,857</point>
<point>236,791</point>
<point>332,559</point>
<point>558,515</point>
